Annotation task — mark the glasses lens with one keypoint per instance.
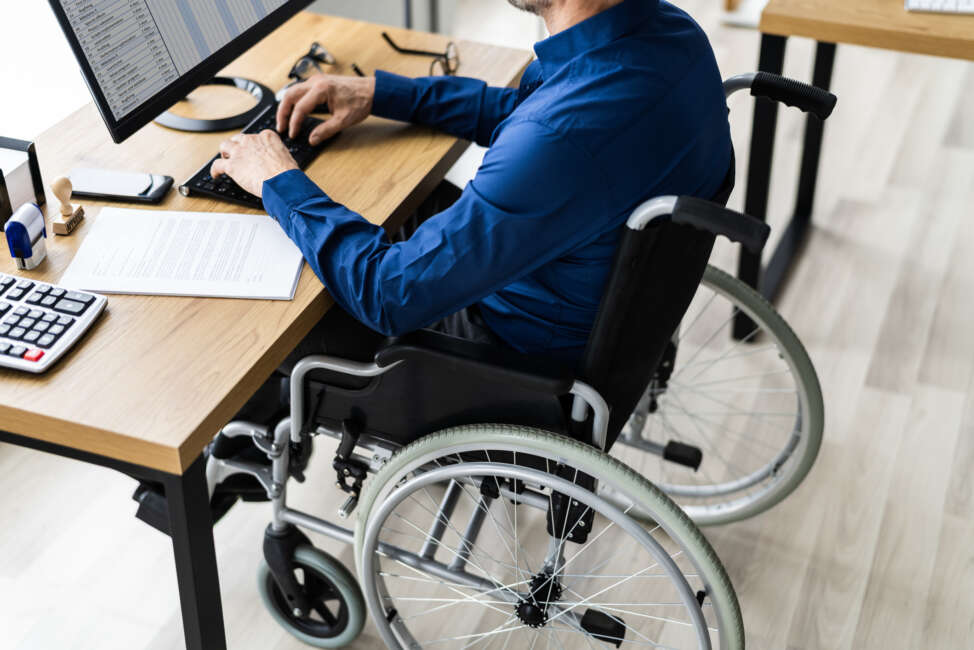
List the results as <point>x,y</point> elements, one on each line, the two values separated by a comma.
<point>452,57</point>
<point>321,54</point>
<point>438,68</point>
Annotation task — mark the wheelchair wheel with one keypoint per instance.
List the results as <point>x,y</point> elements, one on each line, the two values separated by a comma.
<point>454,550</point>
<point>749,410</point>
<point>336,600</point>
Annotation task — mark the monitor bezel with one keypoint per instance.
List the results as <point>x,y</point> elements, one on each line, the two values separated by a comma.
<point>121,129</point>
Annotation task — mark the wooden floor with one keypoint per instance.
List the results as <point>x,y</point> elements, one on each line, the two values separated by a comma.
<point>873,551</point>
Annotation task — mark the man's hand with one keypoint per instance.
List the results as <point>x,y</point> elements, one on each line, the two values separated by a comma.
<point>252,159</point>
<point>349,100</point>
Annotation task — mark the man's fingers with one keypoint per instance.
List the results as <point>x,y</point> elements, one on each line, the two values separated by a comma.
<point>291,98</point>
<point>304,108</point>
<point>327,129</point>
<point>219,167</point>
<point>227,147</point>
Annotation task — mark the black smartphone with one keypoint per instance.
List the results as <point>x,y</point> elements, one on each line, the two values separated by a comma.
<point>103,184</point>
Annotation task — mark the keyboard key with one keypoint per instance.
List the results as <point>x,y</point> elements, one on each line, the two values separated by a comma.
<point>56,330</point>
<point>34,354</point>
<point>84,298</point>
<point>41,326</point>
<point>17,332</point>
<point>49,317</point>
<point>46,341</point>
<point>67,321</point>
<point>70,306</point>
<point>48,301</point>
<point>27,323</point>
<point>57,292</point>
<point>17,351</point>
<point>31,336</point>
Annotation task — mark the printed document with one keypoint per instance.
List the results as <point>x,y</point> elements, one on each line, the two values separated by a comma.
<point>202,254</point>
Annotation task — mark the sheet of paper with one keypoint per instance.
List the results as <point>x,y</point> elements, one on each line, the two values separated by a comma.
<point>186,254</point>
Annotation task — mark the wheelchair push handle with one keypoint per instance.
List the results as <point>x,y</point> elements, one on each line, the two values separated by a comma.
<point>718,220</point>
<point>702,215</point>
<point>809,99</point>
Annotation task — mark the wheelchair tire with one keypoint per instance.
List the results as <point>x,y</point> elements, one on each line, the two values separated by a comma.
<point>336,584</point>
<point>689,581</point>
<point>708,410</point>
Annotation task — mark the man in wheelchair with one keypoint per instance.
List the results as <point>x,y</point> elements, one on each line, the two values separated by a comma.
<point>541,297</point>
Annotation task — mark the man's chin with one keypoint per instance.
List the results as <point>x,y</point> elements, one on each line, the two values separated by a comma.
<point>533,6</point>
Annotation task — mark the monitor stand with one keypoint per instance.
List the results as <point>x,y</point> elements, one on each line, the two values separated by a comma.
<point>263,95</point>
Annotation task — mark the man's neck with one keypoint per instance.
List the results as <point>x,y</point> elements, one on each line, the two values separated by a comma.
<point>564,14</point>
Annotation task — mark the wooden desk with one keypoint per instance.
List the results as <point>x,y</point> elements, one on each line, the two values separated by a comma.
<point>157,377</point>
<point>872,23</point>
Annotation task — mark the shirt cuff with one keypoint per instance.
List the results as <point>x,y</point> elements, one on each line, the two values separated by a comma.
<point>286,190</point>
<point>394,96</point>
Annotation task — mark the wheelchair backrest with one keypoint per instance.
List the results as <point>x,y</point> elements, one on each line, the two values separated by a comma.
<point>655,275</point>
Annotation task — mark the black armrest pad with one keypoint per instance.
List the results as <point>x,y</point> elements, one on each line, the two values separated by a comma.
<point>492,362</point>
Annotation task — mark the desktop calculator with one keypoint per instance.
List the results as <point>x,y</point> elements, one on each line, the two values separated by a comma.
<point>40,322</point>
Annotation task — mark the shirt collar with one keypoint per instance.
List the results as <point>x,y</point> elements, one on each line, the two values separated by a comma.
<point>600,29</point>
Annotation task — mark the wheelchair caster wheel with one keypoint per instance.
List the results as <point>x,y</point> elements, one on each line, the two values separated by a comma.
<point>337,607</point>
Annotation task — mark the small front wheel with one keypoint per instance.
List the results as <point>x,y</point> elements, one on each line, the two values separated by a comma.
<point>337,607</point>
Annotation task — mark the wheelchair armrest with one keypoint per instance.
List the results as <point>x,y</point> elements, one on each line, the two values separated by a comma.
<point>491,362</point>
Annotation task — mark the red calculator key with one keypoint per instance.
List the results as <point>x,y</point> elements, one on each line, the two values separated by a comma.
<point>33,354</point>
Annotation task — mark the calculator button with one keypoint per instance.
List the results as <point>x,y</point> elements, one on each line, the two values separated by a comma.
<point>34,354</point>
<point>49,317</point>
<point>6,281</point>
<point>67,321</point>
<point>35,298</point>
<point>4,306</point>
<point>56,330</point>
<point>17,332</point>
<point>32,336</point>
<point>21,311</point>
<point>46,341</point>
<point>4,347</point>
<point>57,292</point>
<point>48,301</point>
<point>27,323</point>
<point>16,294</point>
<point>42,288</point>
<point>80,297</point>
<point>41,326</point>
<point>4,329</point>
<point>12,320</point>
<point>24,284</point>
<point>17,351</point>
<point>70,306</point>
<point>35,313</point>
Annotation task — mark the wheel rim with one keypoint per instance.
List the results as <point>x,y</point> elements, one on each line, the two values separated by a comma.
<point>329,611</point>
<point>754,412</point>
<point>637,616</point>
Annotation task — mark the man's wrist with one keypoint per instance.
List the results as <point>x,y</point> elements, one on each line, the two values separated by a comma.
<point>282,192</point>
<point>394,96</point>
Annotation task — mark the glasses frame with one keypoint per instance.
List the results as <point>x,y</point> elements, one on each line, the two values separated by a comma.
<point>316,56</point>
<point>448,60</point>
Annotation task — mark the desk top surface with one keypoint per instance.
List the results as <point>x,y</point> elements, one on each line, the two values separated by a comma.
<point>874,23</point>
<point>157,377</point>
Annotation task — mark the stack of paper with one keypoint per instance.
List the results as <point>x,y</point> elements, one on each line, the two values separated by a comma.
<point>186,254</point>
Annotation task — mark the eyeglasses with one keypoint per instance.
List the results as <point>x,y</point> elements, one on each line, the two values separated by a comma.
<point>444,63</point>
<point>311,62</point>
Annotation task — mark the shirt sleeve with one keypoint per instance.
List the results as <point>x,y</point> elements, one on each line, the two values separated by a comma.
<point>535,198</point>
<point>466,108</point>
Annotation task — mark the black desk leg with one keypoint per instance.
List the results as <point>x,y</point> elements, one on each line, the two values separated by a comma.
<point>192,540</point>
<point>759,167</point>
<point>789,247</point>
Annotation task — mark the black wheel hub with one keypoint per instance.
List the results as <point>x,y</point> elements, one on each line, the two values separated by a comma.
<point>533,611</point>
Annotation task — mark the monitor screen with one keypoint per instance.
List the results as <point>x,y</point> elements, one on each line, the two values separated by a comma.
<point>139,57</point>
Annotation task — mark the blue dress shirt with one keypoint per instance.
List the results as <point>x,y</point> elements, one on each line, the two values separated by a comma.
<point>620,108</point>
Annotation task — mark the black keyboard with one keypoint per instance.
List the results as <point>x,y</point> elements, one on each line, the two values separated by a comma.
<point>224,188</point>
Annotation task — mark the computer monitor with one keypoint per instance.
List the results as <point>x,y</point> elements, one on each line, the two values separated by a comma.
<point>139,57</point>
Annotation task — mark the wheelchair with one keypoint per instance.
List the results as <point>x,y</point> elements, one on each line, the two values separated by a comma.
<point>491,503</point>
